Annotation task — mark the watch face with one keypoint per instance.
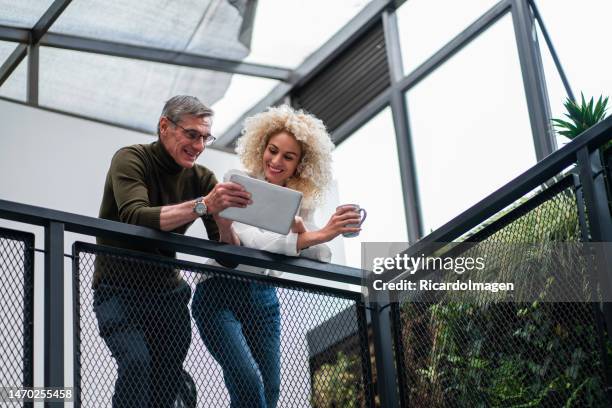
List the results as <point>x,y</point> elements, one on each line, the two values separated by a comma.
<point>200,208</point>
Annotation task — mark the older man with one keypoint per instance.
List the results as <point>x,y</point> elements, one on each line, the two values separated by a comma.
<point>142,309</point>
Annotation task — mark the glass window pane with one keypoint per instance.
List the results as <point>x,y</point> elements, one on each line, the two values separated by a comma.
<point>374,184</point>
<point>15,85</point>
<point>578,30</point>
<point>22,13</point>
<point>211,27</point>
<point>288,31</point>
<point>131,92</point>
<point>6,48</point>
<point>470,126</point>
<point>425,26</point>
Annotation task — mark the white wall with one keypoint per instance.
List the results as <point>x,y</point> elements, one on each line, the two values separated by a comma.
<point>60,162</point>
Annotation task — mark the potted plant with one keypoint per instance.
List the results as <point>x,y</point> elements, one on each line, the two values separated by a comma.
<point>582,116</point>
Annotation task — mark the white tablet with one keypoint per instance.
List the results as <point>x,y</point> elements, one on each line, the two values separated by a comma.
<point>274,207</point>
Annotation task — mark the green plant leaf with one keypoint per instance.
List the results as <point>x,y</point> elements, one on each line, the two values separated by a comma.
<point>581,116</point>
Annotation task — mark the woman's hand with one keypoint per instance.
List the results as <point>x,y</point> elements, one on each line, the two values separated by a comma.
<point>298,225</point>
<point>338,222</point>
<point>222,223</point>
<point>336,225</point>
<point>226,233</point>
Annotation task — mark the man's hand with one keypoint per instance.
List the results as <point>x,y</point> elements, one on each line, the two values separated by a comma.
<point>226,195</point>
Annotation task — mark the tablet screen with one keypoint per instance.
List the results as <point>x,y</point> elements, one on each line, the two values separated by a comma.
<point>274,207</point>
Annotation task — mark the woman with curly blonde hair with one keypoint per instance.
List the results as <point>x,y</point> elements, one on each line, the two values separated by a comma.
<point>239,321</point>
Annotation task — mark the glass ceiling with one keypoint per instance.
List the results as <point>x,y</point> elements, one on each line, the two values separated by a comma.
<point>5,49</point>
<point>131,92</point>
<point>286,32</point>
<point>15,86</point>
<point>126,91</point>
<point>22,13</point>
<point>209,27</point>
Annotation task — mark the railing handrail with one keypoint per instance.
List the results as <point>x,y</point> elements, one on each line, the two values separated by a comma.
<point>98,227</point>
<point>535,176</point>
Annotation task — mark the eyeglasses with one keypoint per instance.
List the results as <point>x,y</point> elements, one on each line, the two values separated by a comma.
<point>194,135</point>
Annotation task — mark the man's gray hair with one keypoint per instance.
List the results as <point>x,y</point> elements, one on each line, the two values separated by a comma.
<point>181,105</point>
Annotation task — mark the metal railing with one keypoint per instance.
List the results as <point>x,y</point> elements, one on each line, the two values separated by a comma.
<point>378,354</point>
<point>474,352</point>
<point>16,308</point>
<point>310,373</point>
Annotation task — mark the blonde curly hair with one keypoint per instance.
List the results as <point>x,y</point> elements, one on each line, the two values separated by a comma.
<point>313,173</point>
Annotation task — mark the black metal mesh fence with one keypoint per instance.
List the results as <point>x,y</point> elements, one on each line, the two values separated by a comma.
<point>16,309</point>
<point>482,353</point>
<point>233,336</point>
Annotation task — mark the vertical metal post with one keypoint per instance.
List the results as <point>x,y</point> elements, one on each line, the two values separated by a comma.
<point>386,375</point>
<point>600,226</point>
<point>594,186</point>
<point>54,307</point>
<point>76,327</point>
<point>28,318</point>
<point>396,321</point>
<point>366,359</point>
<point>32,79</point>
<point>533,79</point>
<point>584,228</point>
<point>600,325</point>
<point>399,110</point>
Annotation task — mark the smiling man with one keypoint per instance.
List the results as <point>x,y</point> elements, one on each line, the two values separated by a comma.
<point>142,310</point>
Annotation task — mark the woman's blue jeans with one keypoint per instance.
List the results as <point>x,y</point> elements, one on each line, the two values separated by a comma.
<point>239,323</point>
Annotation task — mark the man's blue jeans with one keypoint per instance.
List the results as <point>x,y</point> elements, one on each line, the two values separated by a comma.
<point>239,323</point>
<point>148,334</point>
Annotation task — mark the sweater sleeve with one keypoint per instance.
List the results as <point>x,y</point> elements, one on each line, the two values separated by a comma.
<point>128,178</point>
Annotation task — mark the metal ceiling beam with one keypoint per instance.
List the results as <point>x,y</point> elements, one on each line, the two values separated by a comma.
<point>12,62</point>
<point>163,56</point>
<point>38,31</point>
<point>403,136</point>
<point>553,52</point>
<point>14,34</point>
<point>533,79</point>
<point>147,54</point>
<point>46,21</point>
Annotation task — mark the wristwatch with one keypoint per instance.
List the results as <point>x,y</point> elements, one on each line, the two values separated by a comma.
<point>200,207</point>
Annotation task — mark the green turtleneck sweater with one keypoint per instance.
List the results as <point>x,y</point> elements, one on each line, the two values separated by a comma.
<point>141,179</point>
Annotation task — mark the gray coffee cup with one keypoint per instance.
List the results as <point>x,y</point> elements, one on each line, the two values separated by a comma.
<point>361,211</point>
